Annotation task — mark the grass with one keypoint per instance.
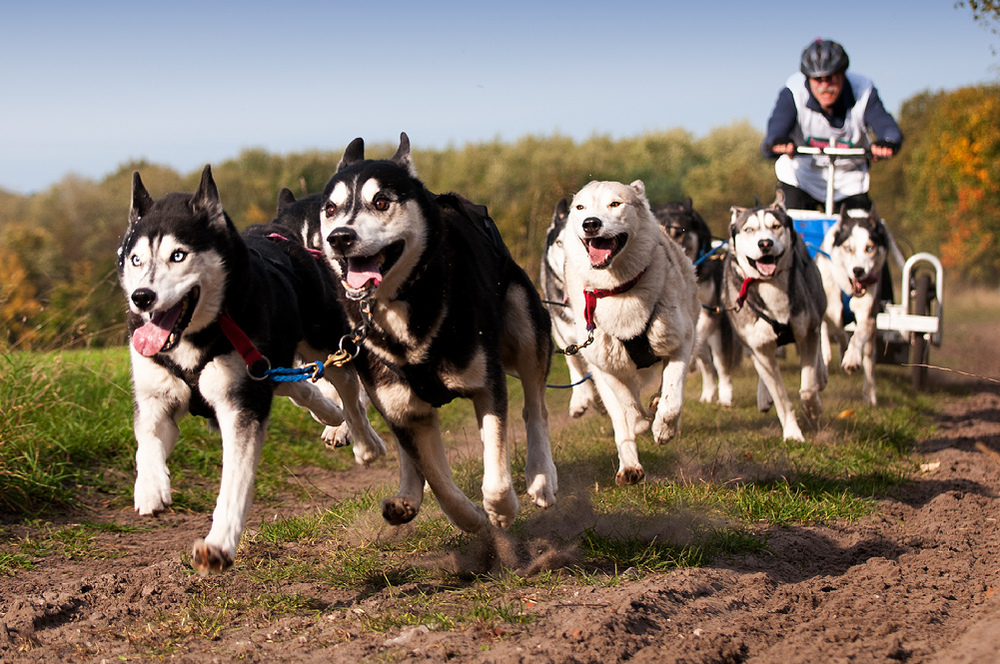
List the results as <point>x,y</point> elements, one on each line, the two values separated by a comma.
<point>716,491</point>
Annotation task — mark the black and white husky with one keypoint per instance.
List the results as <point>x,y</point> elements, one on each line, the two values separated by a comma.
<point>850,261</point>
<point>209,310</point>
<point>553,285</point>
<point>774,295</point>
<point>717,349</point>
<point>298,220</point>
<point>443,311</point>
<point>634,298</point>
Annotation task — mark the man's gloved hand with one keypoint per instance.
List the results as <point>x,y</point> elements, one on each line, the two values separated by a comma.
<point>783,145</point>
<point>884,149</point>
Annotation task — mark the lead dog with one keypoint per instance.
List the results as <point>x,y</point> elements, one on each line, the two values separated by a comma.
<point>717,350</point>
<point>850,261</point>
<point>444,310</point>
<point>774,295</point>
<point>634,298</point>
<point>553,286</point>
<point>209,310</point>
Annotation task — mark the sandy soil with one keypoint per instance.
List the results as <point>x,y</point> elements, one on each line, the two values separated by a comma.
<point>917,582</point>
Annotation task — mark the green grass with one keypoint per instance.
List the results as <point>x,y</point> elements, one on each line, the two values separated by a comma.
<point>716,491</point>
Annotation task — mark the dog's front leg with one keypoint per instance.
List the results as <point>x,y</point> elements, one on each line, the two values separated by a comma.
<point>624,411</point>
<point>861,307</point>
<point>667,422</point>
<point>405,505</point>
<point>420,439</point>
<point>770,376</point>
<point>703,357</point>
<point>160,401</point>
<point>582,397</point>
<point>307,395</point>
<point>499,497</point>
<point>813,373</point>
<point>721,367</point>
<point>368,445</point>
<point>242,440</point>
<point>241,408</point>
<point>862,347</point>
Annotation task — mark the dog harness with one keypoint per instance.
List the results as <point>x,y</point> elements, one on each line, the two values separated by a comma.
<point>639,350</point>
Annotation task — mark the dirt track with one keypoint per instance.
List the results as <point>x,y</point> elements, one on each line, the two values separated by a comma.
<point>917,582</point>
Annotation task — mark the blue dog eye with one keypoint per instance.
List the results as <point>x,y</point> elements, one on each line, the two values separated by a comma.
<point>178,256</point>
<point>136,261</point>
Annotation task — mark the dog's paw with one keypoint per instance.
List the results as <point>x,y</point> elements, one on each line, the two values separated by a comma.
<point>502,509</point>
<point>629,476</point>
<point>791,431</point>
<point>152,496</point>
<point>542,489</point>
<point>396,511</point>
<point>369,447</point>
<point>812,407</point>
<point>581,403</point>
<point>851,362</point>
<point>339,436</point>
<point>665,427</point>
<point>207,558</point>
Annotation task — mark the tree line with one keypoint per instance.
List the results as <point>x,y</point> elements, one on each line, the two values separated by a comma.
<point>58,286</point>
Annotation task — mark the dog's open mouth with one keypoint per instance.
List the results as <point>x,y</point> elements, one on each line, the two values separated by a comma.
<point>164,329</point>
<point>765,265</point>
<point>363,274</point>
<point>602,250</point>
<point>860,286</point>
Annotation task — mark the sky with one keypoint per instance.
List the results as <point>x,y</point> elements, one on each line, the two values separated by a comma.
<point>88,86</point>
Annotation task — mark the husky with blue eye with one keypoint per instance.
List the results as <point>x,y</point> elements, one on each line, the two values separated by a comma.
<point>443,311</point>
<point>850,260</point>
<point>209,310</point>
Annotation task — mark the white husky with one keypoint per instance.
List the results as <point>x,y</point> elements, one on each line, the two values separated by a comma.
<point>634,295</point>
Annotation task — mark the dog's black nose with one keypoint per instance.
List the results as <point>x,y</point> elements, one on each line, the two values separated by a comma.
<point>765,245</point>
<point>859,272</point>
<point>591,225</point>
<point>342,239</point>
<point>143,298</point>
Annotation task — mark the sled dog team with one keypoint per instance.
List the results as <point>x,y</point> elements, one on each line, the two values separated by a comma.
<point>378,291</point>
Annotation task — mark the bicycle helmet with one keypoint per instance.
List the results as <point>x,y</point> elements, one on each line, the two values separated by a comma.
<point>822,58</point>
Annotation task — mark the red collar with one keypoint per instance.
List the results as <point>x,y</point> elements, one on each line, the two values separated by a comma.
<point>742,297</point>
<point>590,298</point>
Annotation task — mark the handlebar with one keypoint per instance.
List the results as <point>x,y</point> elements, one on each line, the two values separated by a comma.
<point>834,152</point>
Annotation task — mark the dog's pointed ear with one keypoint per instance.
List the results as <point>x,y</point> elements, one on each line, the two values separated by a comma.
<point>402,156</point>
<point>354,153</point>
<point>206,200</point>
<point>734,220</point>
<point>285,199</point>
<point>779,199</point>
<point>639,186</point>
<point>688,204</point>
<point>562,209</point>
<point>141,200</point>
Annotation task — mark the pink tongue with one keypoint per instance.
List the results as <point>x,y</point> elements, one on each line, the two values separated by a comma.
<point>766,269</point>
<point>151,337</point>
<point>599,250</point>
<point>361,271</point>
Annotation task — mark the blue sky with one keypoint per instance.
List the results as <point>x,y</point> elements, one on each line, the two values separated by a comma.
<point>87,86</point>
